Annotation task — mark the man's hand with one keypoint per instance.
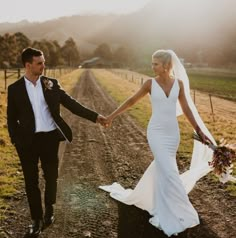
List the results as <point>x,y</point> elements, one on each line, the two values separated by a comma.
<point>101,120</point>
<point>108,121</point>
<point>104,121</point>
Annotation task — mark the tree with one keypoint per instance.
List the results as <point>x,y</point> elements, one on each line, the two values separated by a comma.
<point>51,51</point>
<point>70,52</point>
<point>55,54</point>
<point>8,49</point>
<point>1,51</point>
<point>103,51</point>
<point>123,56</point>
<point>43,46</point>
<point>22,42</point>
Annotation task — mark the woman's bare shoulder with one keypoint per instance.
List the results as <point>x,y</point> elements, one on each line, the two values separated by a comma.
<point>180,81</point>
<point>148,81</point>
<point>181,84</point>
<point>147,85</point>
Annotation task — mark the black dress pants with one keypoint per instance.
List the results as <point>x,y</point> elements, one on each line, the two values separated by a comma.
<point>44,148</point>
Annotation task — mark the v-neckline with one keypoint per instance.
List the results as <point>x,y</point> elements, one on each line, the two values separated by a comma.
<point>164,90</point>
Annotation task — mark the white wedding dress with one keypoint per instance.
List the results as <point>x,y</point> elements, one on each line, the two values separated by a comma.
<point>162,191</point>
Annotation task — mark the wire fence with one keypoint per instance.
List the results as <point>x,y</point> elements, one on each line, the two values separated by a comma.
<point>8,76</point>
<point>211,100</point>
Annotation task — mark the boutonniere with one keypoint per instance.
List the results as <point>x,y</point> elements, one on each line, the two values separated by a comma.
<point>48,84</point>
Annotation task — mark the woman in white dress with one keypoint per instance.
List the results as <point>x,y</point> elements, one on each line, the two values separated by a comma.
<point>162,191</point>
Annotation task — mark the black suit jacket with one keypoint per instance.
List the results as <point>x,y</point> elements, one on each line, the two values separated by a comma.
<point>20,115</point>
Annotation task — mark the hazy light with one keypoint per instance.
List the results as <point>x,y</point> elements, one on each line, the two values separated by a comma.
<point>13,11</point>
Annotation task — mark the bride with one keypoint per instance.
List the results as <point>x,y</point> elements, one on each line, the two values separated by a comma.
<point>162,191</point>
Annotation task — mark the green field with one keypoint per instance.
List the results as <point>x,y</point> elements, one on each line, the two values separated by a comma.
<point>224,87</point>
<point>214,83</point>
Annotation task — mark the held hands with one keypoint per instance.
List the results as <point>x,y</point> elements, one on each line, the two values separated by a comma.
<point>104,121</point>
<point>100,119</point>
<point>108,122</point>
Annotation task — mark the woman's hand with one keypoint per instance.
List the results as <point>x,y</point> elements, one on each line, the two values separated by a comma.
<point>107,122</point>
<point>205,139</point>
<point>100,119</point>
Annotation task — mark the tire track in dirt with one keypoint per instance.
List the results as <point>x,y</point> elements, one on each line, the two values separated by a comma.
<point>91,160</point>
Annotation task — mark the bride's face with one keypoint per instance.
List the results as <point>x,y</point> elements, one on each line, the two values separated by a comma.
<point>157,66</point>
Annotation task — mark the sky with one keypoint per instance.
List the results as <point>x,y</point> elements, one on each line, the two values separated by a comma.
<point>42,10</point>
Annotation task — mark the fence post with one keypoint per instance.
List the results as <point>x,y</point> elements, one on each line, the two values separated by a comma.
<point>212,111</point>
<point>5,78</point>
<point>141,81</point>
<point>194,97</point>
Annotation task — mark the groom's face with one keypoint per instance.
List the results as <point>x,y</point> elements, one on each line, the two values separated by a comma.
<point>37,66</point>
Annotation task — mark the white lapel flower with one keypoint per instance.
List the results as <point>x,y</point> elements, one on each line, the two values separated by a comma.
<point>48,84</point>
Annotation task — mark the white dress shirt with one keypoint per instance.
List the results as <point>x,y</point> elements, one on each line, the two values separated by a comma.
<point>43,119</point>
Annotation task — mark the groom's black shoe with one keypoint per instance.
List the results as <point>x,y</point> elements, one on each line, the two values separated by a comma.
<point>49,216</point>
<point>34,229</point>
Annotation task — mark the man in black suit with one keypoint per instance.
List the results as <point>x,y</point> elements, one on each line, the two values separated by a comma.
<point>36,128</point>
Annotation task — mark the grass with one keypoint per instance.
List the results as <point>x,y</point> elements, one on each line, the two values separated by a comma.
<point>11,177</point>
<point>120,88</point>
<point>10,173</point>
<point>224,87</point>
<point>11,77</point>
<point>215,84</point>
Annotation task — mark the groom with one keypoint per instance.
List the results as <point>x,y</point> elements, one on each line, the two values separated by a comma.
<point>36,128</point>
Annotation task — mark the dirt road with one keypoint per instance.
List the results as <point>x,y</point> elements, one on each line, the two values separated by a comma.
<point>101,156</point>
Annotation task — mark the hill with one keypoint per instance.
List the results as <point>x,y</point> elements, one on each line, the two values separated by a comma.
<point>197,26</point>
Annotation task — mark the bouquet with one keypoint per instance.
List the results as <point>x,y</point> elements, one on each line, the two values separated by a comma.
<point>223,158</point>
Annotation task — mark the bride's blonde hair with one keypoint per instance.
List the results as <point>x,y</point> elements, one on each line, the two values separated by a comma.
<point>165,57</point>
